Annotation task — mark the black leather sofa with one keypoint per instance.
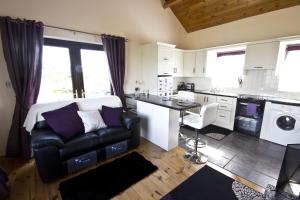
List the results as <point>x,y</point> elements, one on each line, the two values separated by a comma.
<point>54,158</point>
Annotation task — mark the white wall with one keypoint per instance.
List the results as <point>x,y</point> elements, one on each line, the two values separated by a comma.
<point>141,21</point>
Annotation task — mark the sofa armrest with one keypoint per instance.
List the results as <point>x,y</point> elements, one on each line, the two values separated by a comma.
<point>130,120</point>
<point>45,137</point>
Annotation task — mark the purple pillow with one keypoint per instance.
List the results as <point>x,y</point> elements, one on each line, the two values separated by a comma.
<point>65,121</point>
<point>112,116</point>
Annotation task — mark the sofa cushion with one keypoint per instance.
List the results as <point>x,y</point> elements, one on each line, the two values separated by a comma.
<point>112,116</point>
<point>92,120</point>
<point>112,135</point>
<point>79,145</point>
<point>65,121</point>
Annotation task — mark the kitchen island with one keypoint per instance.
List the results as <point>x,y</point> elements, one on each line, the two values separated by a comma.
<point>160,119</point>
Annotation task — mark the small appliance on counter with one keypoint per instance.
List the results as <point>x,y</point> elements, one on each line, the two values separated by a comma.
<point>181,86</point>
<point>249,114</point>
<point>165,86</point>
<point>186,86</point>
<point>190,87</point>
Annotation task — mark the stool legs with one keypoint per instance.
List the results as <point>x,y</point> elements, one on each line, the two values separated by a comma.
<point>195,156</point>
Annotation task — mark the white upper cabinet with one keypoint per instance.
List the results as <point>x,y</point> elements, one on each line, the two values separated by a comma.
<point>178,63</point>
<point>165,60</point>
<point>189,63</point>
<point>261,56</point>
<point>200,63</point>
<point>194,63</point>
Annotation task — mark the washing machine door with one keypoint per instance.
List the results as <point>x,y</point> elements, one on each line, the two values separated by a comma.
<point>287,123</point>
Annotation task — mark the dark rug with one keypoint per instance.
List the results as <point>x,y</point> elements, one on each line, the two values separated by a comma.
<point>215,132</point>
<point>107,180</point>
<point>206,184</point>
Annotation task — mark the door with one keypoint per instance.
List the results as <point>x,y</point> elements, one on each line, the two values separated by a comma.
<point>200,63</point>
<point>165,60</point>
<point>178,63</point>
<point>286,123</point>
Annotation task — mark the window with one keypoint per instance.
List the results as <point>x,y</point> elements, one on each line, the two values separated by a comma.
<point>73,70</point>
<point>226,67</point>
<point>289,74</point>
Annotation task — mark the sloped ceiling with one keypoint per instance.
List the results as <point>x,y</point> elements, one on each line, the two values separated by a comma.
<point>200,14</point>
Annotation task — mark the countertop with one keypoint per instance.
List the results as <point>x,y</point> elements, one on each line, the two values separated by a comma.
<point>172,103</point>
<point>267,97</point>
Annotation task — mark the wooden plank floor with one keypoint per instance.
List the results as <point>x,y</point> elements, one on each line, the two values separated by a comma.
<point>173,169</point>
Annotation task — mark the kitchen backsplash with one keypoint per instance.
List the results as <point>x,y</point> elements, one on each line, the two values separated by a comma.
<point>262,80</point>
<point>255,82</point>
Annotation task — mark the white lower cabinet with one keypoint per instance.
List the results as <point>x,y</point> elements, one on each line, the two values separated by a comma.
<point>226,109</point>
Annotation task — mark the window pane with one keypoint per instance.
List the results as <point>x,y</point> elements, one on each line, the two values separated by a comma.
<point>289,76</point>
<point>226,70</point>
<point>56,81</point>
<point>95,73</point>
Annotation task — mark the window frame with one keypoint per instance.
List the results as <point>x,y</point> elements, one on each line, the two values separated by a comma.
<point>75,60</point>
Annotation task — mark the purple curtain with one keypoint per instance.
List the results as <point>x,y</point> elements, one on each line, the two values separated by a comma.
<point>293,47</point>
<point>22,42</point>
<point>230,53</point>
<point>115,50</point>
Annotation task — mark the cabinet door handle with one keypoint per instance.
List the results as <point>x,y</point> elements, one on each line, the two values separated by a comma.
<point>223,100</point>
<point>223,106</point>
<point>203,70</point>
<point>194,70</point>
<point>222,116</point>
<point>165,59</point>
<point>258,67</point>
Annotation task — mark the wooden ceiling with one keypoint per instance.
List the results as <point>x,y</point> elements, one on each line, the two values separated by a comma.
<point>200,14</point>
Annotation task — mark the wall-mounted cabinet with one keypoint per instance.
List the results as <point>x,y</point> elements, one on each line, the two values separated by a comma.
<point>178,63</point>
<point>261,56</point>
<point>200,63</point>
<point>194,63</point>
<point>165,60</point>
<point>189,63</point>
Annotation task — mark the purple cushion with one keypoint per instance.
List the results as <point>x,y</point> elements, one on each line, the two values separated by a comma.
<point>112,116</point>
<point>65,121</point>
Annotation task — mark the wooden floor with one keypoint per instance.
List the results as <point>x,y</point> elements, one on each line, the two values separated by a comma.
<point>173,169</point>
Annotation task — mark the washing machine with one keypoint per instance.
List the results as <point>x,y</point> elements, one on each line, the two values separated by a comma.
<point>284,124</point>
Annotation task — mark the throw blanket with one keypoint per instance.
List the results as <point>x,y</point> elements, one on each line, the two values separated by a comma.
<point>34,114</point>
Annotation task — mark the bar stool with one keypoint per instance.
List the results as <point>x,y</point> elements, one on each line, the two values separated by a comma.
<point>207,116</point>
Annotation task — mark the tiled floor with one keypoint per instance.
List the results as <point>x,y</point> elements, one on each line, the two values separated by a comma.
<point>256,160</point>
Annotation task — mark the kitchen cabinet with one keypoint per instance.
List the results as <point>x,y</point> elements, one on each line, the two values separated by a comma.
<point>157,59</point>
<point>200,63</point>
<point>165,60</point>
<point>194,63</point>
<point>189,63</point>
<point>205,98</point>
<point>226,109</point>
<point>178,63</point>
<point>261,56</point>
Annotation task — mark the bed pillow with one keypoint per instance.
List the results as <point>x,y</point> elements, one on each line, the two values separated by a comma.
<point>65,121</point>
<point>112,116</point>
<point>92,120</point>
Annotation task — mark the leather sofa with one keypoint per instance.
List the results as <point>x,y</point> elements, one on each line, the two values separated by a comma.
<point>54,158</point>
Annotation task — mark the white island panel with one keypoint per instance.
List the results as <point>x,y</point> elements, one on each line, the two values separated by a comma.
<point>159,124</point>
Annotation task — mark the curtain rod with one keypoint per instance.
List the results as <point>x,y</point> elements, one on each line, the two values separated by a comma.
<point>72,30</point>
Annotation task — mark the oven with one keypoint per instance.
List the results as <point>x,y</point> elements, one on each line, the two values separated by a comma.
<point>249,115</point>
